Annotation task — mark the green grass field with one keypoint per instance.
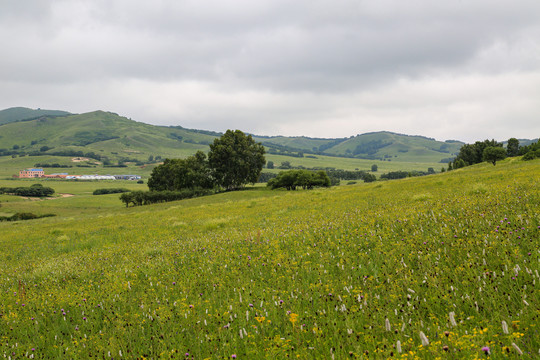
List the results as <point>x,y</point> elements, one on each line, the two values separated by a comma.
<point>10,166</point>
<point>359,271</point>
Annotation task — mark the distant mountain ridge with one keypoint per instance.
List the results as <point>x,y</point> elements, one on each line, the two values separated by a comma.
<point>21,114</point>
<point>118,138</point>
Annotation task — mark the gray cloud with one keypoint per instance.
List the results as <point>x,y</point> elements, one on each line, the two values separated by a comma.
<point>277,66</point>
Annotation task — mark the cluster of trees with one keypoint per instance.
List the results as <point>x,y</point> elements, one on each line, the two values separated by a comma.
<point>138,198</point>
<point>351,175</point>
<point>531,151</point>
<point>335,175</point>
<point>370,147</point>
<point>480,151</point>
<point>404,174</point>
<point>234,160</point>
<point>305,179</point>
<point>275,151</point>
<point>176,174</point>
<point>395,175</point>
<point>110,191</point>
<point>36,190</point>
<point>493,151</point>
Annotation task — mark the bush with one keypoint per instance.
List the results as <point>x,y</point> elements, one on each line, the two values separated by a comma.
<point>36,190</point>
<point>24,216</point>
<point>110,191</point>
<point>266,177</point>
<point>139,198</point>
<point>531,155</point>
<point>395,175</point>
<point>300,178</point>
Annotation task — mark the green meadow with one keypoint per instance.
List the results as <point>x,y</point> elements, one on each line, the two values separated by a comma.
<point>11,166</point>
<point>440,266</point>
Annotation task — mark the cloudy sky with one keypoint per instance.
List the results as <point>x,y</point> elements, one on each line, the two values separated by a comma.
<point>465,70</point>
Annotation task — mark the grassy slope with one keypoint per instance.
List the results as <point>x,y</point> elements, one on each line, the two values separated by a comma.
<point>22,113</point>
<point>298,142</point>
<point>402,148</point>
<point>305,273</point>
<point>11,166</point>
<point>134,140</point>
<point>352,164</point>
<point>137,140</point>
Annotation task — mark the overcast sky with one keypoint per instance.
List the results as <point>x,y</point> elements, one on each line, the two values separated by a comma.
<point>466,70</point>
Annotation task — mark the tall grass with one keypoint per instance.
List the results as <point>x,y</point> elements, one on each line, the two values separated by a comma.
<point>416,268</point>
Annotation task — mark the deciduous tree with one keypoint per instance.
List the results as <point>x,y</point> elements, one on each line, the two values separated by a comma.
<point>235,160</point>
<point>494,153</point>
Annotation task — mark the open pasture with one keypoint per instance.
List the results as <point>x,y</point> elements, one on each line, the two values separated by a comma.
<point>423,267</point>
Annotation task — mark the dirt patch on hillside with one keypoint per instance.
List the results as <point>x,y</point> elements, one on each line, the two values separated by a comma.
<point>47,198</point>
<point>79,159</point>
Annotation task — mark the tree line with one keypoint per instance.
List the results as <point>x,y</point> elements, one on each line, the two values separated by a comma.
<point>138,198</point>
<point>110,191</point>
<point>234,160</point>
<point>492,151</point>
<point>304,179</point>
<point>36,190</point>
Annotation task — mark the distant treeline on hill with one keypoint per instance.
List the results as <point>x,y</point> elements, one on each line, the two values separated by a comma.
<point>55,165</point>
<point>46,151</point>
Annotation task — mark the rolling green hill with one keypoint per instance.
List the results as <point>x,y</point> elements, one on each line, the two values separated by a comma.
<point>398,147</point>
<point>114,138</point>
<point>22,113</point>
<point>104,133</point>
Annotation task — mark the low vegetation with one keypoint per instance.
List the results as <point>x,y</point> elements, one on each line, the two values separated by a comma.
<point>304,179</point>
<point>139,198</point>
<point>493,151</point>
<point>36,190</point>
<point>24,216</point>
<point>110,191</point>
<point>443,266</point>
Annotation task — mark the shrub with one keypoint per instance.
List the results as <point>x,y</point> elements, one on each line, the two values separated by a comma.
<point>36,190</point>
<point>300,178</point>
<point>110,191</point>
<point>139,198</point>
<point>530,155</point>
<point>24,216</point>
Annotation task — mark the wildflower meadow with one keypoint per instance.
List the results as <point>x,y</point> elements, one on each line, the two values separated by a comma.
<point>441,266</point>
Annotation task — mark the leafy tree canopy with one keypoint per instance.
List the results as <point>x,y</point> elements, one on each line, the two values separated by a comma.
<point>176,174</point>
<point>494,153</point>
<point>512,147</point>
<point>472,154</point>
<point>300,178</point>
<point>236,160</point>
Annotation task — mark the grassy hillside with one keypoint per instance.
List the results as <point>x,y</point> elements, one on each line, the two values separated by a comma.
<point>301,143</point>
<point>115,138</point>
<point>104,133</point>
<point>22,113</point>
<point>350,272</point>
<point>397,147</point>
